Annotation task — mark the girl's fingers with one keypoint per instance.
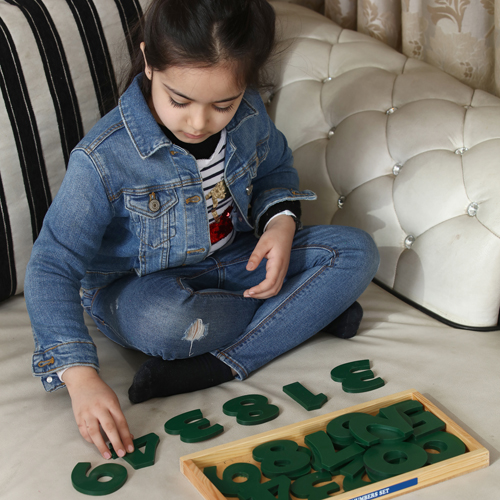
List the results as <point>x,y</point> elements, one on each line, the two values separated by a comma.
<point>256,258</point>
<point>82,427</point>
<point>123,431</point>
<point>270,286</point>
<point>110,429</point>
<point>96,436</point>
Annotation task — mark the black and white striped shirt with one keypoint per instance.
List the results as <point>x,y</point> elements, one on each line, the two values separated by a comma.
<point>210,156</point>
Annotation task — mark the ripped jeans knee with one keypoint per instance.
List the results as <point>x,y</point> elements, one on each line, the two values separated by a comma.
<point>196,331</point>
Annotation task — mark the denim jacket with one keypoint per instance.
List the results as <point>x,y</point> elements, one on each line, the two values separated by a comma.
<point>100,226</point>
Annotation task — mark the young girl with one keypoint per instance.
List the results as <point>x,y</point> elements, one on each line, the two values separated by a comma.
<point>178,220</point>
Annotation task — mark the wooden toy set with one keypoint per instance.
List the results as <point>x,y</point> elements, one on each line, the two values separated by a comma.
<point>384,448</point>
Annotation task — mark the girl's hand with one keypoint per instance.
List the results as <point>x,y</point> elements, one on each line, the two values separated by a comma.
<point>96,406</point>
<point>274,245</point>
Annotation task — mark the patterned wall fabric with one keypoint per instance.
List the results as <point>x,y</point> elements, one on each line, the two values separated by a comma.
<point>457,36</point>
<point>59,65</point>
<point>317,5</point>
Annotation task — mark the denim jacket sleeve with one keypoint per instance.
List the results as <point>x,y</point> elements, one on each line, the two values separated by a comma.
<point>70,237</point>
<point>277,180</point>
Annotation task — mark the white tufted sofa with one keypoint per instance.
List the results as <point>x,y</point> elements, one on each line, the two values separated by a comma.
<point>396,175</point>
<point>402,150</point>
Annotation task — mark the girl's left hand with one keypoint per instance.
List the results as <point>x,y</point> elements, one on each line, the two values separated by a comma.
<point>274,245</point>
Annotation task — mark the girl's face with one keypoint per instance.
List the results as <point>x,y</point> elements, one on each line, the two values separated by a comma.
<point>194,103</point>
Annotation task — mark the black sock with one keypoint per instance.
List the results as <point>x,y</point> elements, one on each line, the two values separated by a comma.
<point>159,378</point>
<point>346,325</point>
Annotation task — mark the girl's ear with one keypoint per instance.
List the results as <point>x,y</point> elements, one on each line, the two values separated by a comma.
<point>147,68</point>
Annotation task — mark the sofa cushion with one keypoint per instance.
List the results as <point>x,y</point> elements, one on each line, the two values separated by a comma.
<point>402,150</point>
<point>59,66</point>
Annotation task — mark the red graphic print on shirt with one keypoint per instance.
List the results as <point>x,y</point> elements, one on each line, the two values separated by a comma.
<point>222,228</point>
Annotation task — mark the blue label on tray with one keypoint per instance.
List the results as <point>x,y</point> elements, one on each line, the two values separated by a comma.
<point>385,491</point>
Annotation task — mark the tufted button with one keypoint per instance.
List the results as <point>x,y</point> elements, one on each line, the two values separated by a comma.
<point>397,168</point>
<point>409,240</point>
<point>461,151</point>
<point>341,201</point>
<point>390,111</point>
<point>328,79</point>
<point>270,99</point>
<point>331,132</point>
<point>472,209</point>
<point>249,190</point>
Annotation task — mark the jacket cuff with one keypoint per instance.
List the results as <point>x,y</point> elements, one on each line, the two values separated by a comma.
<point>292,206</point>
<point>47,363</point>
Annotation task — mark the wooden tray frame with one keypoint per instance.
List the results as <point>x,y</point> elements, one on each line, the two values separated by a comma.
<point>477,456</point>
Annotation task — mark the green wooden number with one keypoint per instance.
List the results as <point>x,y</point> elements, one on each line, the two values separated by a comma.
<point>324,455</point>
<point>251,489</point>
<point>426,423</point>
<point>355,381</point>
<point>192,427</point>
<point>353,468</point>
<point>251,410</point>
<point>410,408</point>
<point>357,481</point>
<point>304,397</point>
<point>388,460</point>
<point>447,445</point>
<point>322,450</point>
<point>279,485</point>
<point>305,486</point>
<point>338,430</point>
<point>139,459</point>
<point>90,485</point>
<point>227,485</point>
<point>283,457</point>
<point>369,430</point>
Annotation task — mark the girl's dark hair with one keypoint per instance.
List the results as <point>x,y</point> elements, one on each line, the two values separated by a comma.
<point>205,33</point>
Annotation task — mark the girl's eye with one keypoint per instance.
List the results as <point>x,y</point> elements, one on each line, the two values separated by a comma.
<point>224,110</point>
<point>176,104</point>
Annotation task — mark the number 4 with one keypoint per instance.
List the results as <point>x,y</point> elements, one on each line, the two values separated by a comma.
<point>139,459</point>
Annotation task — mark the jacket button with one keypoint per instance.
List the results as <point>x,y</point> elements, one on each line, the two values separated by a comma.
<point>249,190</point>
<point>154,205</point>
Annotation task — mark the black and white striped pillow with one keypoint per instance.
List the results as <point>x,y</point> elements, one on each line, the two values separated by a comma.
<point>59,63</point>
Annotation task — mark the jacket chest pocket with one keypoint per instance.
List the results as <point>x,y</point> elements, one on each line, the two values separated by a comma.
<point>152,217</point>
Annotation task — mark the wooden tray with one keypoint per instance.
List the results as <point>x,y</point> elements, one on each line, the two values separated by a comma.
<point>476,457</point>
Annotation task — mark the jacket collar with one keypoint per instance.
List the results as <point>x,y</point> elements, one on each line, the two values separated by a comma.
<point>142,128</point>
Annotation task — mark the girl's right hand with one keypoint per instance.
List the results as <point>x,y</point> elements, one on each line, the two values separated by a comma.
<point>96,406</point>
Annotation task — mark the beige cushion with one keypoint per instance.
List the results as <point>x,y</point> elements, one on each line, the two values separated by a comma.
<point>401,150</point>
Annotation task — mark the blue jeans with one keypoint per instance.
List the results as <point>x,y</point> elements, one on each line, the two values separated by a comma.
<point>188,311</point>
